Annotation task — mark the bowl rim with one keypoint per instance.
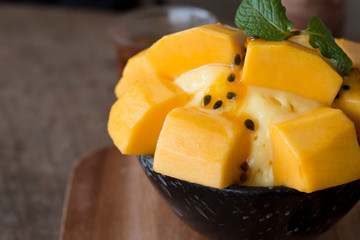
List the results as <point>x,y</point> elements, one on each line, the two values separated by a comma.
<point>146,161</point>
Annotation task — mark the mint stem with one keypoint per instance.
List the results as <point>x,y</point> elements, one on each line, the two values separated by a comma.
<point>293,33</point>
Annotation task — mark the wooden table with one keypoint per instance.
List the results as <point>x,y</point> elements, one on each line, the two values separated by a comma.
<point>111,198</point>
<point>57,74</point>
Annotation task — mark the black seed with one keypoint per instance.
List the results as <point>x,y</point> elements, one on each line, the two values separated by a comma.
<point>244,166</point>
<point>206,100</point>
<point>237,59</point>
<point>217,104</point>
<point>243,177</point>
<point>231,95</point>
<point>231,77</point>
<point>249,124</point>
<point>345,87</point>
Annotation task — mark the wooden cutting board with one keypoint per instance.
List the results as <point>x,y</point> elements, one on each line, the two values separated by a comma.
<point>110,198</point>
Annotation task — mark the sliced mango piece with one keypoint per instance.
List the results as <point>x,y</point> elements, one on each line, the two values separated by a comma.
<point>349,98</point>
<point>302,40</point>
<point>315,151</point>
<point>180,52</point>
<point>137,116</point>
<point>290,67</point>
<point>203,148</point>
<point>137,68</point>
<point>201,78</point>
<point>352,49</point>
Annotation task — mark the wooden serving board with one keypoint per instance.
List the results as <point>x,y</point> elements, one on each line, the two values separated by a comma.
<point>110,198</point>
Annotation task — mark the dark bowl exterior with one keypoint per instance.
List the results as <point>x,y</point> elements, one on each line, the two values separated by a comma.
<point>253,212</point>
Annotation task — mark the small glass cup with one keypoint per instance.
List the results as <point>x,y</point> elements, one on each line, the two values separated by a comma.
<point>138,29</point>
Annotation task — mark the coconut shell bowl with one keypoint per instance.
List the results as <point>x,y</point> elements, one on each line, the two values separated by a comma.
<point>253,213</point>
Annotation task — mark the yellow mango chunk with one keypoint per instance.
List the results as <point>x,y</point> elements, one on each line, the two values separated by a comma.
<point>315,151</point>
<point>137,117</point>
<point>303,40</point>
<point>352,49</point>
<point>349,98</point>
<point>137,68</point>
<point>202,78</point>
<point>180,52</point>
<point>290,67</point>
<point>202,148</point>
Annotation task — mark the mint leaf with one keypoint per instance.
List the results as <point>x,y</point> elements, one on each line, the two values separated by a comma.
<point>321,37</point>
<point>265,19</point>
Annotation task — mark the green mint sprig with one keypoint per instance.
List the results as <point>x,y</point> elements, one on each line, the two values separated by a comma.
<point>267,19</point>
<point>320,37</point>
<point>264,19</point>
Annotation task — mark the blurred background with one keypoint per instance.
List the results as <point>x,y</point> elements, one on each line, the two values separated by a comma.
<point>345,11</point>
<point>58,69</point>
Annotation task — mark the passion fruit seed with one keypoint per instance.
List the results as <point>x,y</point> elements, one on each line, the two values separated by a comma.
<point>218,104</point>
<point>345,87</point>
<point>249,124</point>
<point>243,177</point>
<point>231,77</point>
<point>237,59</point>
<point>244,166</point>
<point>231,95</point>
<point>206,100</point>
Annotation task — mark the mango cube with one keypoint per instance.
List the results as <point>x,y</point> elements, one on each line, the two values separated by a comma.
<point>203,148</point>
<point>352,49</point>
<point>290,67</point>
<point>137,68</point>
<point>137,117</point>
<point>315,151</point>
<point>180,52</point>
<point>349,98</point>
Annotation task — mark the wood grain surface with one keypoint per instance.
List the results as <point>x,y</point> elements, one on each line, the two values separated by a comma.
<point>57,74</point>
<point>109,197</point>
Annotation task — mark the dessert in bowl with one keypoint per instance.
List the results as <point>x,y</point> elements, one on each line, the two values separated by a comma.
<point>240,212</point>
<point>251,139</point>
